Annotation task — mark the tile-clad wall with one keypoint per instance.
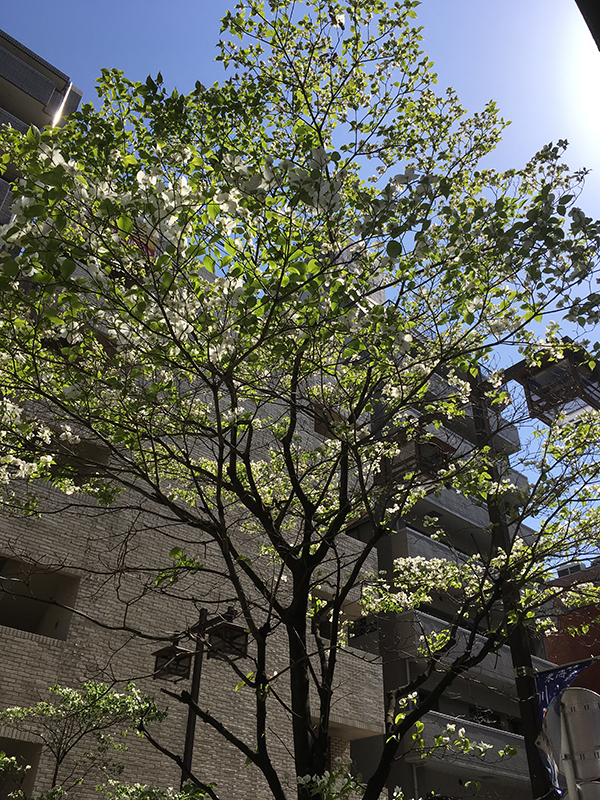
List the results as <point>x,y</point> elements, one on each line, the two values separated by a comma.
<point>7,118</point>
<point>90,544</point>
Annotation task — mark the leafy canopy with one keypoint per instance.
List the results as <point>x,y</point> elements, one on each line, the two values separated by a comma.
<point>192,285</point>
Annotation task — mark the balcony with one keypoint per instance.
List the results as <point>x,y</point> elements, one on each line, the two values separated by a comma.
<point>506,436</point>
<point>496,670</point>
<point>419,544</point>
<point>464,522</point>
<point>32,90</point>
<point>492,765</point>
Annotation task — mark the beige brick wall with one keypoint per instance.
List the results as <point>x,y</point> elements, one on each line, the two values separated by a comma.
<point>91,544</point>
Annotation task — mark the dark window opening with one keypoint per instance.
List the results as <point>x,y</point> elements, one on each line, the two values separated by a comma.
<point>360,529</point>
<point>569,569</point>
<point>423,695</point>
<point>27,754</point>
<point>537,644</point>
<point>325,420</point>
<point>427,457</point>
<point>363,634</point>
<point>83,459</point>
<point>363,626</point>
<point>35,599</point>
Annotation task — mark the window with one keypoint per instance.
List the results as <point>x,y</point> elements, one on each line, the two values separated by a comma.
<point>363,626</point>
<point>82,460</point>
<point>569,569</point>
<point>363,634</point>
<point>33,598</point>
<point>425,458</point>
<point>27,755</point>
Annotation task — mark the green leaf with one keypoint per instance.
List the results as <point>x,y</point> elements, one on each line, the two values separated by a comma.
<point>33,135</point>
<point>394,249</point>
<point>67,268</point>
<point>55,177</point>
<point>125,224</point>
<point>10,267</point>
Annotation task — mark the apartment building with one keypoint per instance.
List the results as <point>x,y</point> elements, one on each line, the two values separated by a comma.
<point>63,560</point>
<point>32,92</point>
<point>43,564</point>
<point>71,558</point>
<point>484,701</point>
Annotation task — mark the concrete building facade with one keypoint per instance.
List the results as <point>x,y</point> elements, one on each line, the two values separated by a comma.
<point>484,701</point>
<point>32,92</point>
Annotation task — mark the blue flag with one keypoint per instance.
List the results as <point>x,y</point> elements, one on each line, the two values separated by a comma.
<point>550,685</point>
<point>552,682</point>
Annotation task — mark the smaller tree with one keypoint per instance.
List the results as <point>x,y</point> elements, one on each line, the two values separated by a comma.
<point>83,729</point>
<point>114,790</point>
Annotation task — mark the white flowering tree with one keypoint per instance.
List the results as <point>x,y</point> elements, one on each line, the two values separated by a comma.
<point>244,306</point>
<point>82,730</point>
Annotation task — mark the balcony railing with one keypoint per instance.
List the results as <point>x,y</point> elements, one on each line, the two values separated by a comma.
<point>495,669</point>
<point>492,764</point>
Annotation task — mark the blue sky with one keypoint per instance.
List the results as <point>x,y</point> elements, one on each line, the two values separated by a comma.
<point>536,58</point>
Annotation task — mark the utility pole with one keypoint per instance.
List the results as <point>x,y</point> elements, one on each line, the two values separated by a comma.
<point>190,731</point>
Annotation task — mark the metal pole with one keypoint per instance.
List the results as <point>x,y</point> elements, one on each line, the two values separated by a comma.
<point>518,642</point>
<point>567,763</point>
<point>190,732</point>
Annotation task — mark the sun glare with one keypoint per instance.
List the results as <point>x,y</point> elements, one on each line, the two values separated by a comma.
<point>581,88</point>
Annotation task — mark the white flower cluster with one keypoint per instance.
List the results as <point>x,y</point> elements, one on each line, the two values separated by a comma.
<point>68,436</point>
<point>457,740</point>
<point>12,467</point>
<point>248,182</point>
<point>496,378</point>
<point>334,785</point>
<point>55,157</point>
<point>232,416</point>
<point>406,177</point>
<point>324,192</point>
<point>463,387</point>
<point>11,412</point>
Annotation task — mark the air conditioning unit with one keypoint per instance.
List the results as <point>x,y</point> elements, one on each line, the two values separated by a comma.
<point>569,569</point>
